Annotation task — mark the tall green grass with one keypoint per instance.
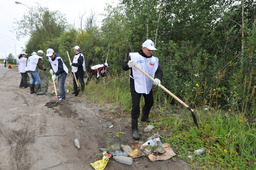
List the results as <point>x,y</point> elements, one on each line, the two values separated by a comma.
<point>229,137</point>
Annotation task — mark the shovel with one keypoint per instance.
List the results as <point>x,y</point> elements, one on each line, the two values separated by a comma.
<point>53,103</point>
<point>175,97</point>
<point>55,90</point>
<point>77,91</point>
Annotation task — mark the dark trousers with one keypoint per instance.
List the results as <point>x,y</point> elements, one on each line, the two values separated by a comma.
<point>80,77</point>
<point>24,79</point>
<point>149,101</point>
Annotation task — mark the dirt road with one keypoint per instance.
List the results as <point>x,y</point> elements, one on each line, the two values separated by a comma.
<point>34,136</point>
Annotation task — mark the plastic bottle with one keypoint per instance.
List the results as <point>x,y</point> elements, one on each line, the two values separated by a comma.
<point>118,153</point>
<point>123,159</point>
<point>199,151</point>
<point>77,144</point>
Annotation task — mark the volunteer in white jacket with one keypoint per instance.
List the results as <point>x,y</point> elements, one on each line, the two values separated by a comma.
<point>60,69</point>
<point>22,64</point>
<point>33,63</point>
<point>78,66</point>
<point>140,84</point>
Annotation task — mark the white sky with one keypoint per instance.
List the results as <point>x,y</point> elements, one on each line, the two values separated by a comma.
<point>73,9</point>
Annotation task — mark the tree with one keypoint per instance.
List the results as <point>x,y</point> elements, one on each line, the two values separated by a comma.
<point>42,26</point>
<point>10,59</point>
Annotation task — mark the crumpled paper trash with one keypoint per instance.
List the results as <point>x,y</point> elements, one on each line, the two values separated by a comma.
<point>169,153</point>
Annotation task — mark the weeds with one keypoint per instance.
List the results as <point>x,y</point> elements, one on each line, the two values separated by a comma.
<point>230,138</point>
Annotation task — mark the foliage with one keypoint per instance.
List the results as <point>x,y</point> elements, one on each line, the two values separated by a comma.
<point>42,26</point>
<point>11,59</point>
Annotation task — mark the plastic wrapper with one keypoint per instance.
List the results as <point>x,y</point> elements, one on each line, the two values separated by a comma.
<point>101,164</point>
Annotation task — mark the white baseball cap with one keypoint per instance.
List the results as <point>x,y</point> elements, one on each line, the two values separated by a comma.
<point>22,53</point>
<point>40,52</point>
<point>149,44</point>
<point>34,53</point>
<point>77,48</point>
<point>49,52</point>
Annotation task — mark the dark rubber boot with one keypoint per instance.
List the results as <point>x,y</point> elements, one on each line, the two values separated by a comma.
<point>74,89</point>
<point>82,87</point>
<point>38,89</point>
<point>135,134</point>
<point>145,118</point>
<point>32,88</point>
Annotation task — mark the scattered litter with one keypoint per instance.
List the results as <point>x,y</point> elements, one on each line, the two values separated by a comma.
<point>110,126</point>
<point>190,157</point>
<point>135,153</point>
<point>153,145</point>
<point>165,156</point>
<point>123,159</point>
<point>118,153</point>
<point>126,148</point>
<point>15,108</point>
<point>199,151</point>
<point>101,164</point>
<point>77,144</point>
<point>148,128</point>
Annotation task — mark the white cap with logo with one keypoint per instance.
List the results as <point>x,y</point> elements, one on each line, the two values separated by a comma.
<point>149,44</point>
<point>49,52</point>
<point>77,48</point>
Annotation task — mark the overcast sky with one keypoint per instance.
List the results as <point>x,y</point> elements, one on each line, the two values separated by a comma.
<point>73,9</point>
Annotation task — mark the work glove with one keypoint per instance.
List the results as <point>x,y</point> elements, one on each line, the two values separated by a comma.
<point>51,71</point>
<point>53,77</point>
<point>131,64</point>
<point>157,82</point>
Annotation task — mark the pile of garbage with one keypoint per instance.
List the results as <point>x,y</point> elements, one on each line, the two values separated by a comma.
<point>152,148</point>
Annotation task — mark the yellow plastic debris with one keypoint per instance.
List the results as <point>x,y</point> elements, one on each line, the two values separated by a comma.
<point>101,164</point>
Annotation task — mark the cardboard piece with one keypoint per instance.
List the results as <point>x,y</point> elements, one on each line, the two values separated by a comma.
<point>165,156</point>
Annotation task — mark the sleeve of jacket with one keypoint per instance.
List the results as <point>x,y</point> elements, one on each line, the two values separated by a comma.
<point>79,63</point>
<point>159,73</point>
<point>60,67</point>
<point>125,63</point>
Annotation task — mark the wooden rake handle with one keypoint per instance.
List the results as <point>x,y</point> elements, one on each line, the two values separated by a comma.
<point>166,90</point>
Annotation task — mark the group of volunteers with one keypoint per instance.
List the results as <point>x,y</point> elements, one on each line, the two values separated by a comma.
<point>140,84</point>
<point>34,65</point>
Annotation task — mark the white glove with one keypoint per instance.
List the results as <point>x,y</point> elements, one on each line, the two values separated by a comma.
<point>53,77</point>
<point>51,71</point>
<point>157,82</point>
<point>70,64</point>
<point>131,64</point>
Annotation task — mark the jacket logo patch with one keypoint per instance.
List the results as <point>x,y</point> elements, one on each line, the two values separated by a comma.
<point>152,64</point>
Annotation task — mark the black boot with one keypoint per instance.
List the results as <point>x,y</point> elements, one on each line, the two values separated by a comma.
<point>32,88</point>
<point>82,87</point>
<point>145,118</point>
<point>135,134</point>
<point>38,89</point>
<point>74,89</point>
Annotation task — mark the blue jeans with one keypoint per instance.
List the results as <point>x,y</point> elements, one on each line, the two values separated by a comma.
<point>61,83</point>
<point>35,77</point>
